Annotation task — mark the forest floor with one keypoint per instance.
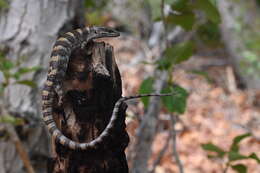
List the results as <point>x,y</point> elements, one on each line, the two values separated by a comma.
<point>216,111</point>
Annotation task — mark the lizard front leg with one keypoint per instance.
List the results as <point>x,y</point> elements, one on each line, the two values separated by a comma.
<point>59,86</point>
<point>60,92</point>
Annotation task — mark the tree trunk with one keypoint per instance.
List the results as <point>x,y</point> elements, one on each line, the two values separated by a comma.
<point>89,102</point>
<point>147,130</point>
<point>240,30</point>
<point>28,30</point>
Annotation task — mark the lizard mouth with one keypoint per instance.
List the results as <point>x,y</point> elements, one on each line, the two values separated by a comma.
<point>106,32</point>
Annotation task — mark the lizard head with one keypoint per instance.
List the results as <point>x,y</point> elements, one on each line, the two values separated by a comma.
<point>101,32</point>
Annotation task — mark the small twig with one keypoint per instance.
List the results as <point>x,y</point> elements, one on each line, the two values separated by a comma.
<point>160,155</point>
<point>147,129</point>
<point>19,147</point>
<point>226,168</point>
<point>165,33</point>
<point>18,144</point>
<point>175,153</point>
<point>231,81</point>
<point>248,129</point>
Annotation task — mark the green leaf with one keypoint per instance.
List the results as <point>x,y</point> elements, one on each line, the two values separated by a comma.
<point>16,76</point>
<point>28,83</point>
<point>183,52</point>
<point>209,9</point>
<point>89,3</point>
<point>212,156</point>
<point>11,120</point>
<point>236,156</point>
<point>2,56</point>
<point>214,2</point>
<point>95,18</point>
<point>232,156</point>
<point>209,34</point>
<point>235,147</point>
<point>168,101</point>
<point>97,5</point>
<point>176,102</point>
<point>3,4</point>
<point>147,62</point>
<point>254,156</point>
<point>203,74</point>
<point>185,20</point>
<point>169,1</point>
<point>1,89</point>
<point>24,70</point>
<point>213,148</point>
<point>258,2</point>
<point>164,64</point>
<point>180,5</point>
<point>7,65</point>
<point>6,74</point>
<point>155,9</point>
<point>240,168</point>
<point>176,54</point>
<point>146,87</point>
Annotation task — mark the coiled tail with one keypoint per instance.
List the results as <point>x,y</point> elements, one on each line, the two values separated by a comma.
<point>58,65</point>
<point>83,146</point>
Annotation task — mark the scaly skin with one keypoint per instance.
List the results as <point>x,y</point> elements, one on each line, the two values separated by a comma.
<point>58,65</point>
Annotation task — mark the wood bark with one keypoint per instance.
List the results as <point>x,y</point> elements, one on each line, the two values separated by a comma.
<point>89,102</point>
<point>240,26</point>
<point>147,129</point>
<point>28,30</point>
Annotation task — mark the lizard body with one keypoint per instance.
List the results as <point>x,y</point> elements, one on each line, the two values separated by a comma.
<point>106,132</point>
<point>58,66</point>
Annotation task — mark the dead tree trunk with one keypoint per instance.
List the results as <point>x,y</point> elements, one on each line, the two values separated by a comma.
<point>28,29</point>
<point>89,102</point>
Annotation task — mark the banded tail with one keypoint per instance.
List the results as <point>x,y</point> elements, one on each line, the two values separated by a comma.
<point>58,65</point>
<point>83,146</point>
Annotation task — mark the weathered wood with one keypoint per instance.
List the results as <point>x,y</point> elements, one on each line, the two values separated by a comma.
<point>92,85</point>
<point>28,30</point>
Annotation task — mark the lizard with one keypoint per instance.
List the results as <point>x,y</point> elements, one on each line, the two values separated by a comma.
<point>62,50</point>
<point>56,133</point>
<point>59,60</point>
<point>58,66</point>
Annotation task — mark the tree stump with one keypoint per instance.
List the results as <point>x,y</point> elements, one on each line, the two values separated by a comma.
<point>92,85</point>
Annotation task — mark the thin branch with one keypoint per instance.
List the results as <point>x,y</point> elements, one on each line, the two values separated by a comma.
<point>19,148</point>
<point>226,167</point>
<point>165,33</point>
<point>231,81</point>
<point>147,129</point>
<point>18,144</point>
<point>174,147</point>
<point>161,154</point>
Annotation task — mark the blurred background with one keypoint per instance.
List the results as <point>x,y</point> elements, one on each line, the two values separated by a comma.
<point>207,52</point>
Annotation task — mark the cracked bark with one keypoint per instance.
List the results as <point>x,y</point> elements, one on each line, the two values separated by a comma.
<point>93,85</point>
<point>28,29</point>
